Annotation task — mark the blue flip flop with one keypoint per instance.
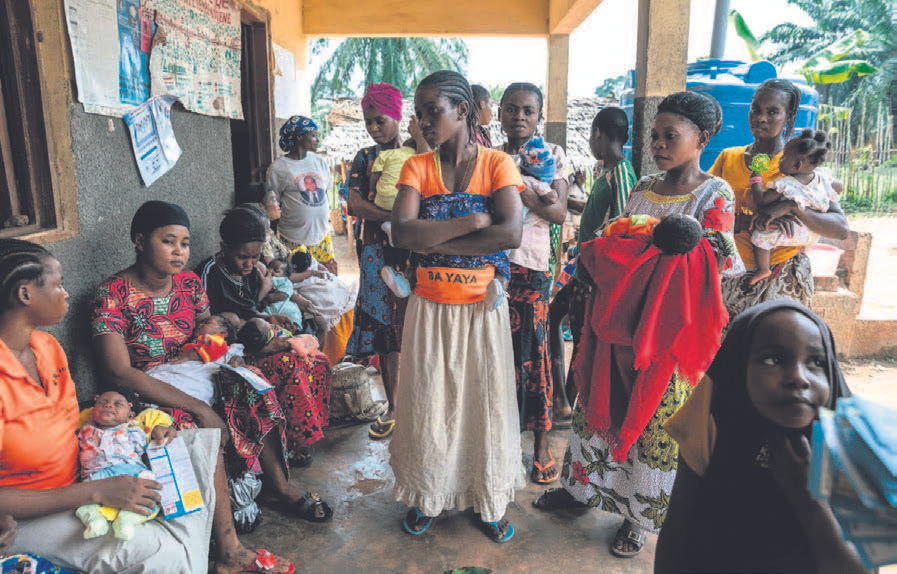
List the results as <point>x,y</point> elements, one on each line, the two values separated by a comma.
<point>493,531</point>
<point>417,516</point>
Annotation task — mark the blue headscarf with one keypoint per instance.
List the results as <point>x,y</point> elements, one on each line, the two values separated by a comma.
<point>295,127</point>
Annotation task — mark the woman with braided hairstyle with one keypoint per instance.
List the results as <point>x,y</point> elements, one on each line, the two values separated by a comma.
<point>456,443</point>
<point>772,117</point>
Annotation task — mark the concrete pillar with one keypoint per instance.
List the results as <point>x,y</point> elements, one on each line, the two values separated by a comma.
<point>556,90</point>
<point>660,69</point>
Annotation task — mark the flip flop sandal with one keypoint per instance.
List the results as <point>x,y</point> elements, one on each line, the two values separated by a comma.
<point>416,517</point>
<point>265,562</point>
<point>628,533</point>
<point>386,428</point>
<point>493,530</point>
<point>543,469</point>
<point>306,507</point>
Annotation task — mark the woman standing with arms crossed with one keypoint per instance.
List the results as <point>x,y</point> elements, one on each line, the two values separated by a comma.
<point>771,117</point>
<point>520,112</point>
<point>457,443</point>
<point>379,314</point>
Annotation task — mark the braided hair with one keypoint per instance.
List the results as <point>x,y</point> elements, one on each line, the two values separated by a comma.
<point>700,109</point>
<point>523,87</point>
<point>815,145</point>
<point>20,262</point>
<point>455,88</point>
<point>480,94</point>
<point>791,92</point>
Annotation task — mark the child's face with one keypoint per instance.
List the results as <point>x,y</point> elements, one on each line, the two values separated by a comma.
<point>262,326</point>
<point>596,143</point>
<point>519,114</point>
<point>484,111</point>
<point>278,268</point>
<point>793,164</point>
<point>240,259</point>
<point>210,326</point>
<point>786,374</point>
<point>111,409</point>
<point>676,141</point>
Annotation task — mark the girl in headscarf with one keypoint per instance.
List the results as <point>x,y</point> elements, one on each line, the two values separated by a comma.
<point>300,180</point>
<point>740,502</point>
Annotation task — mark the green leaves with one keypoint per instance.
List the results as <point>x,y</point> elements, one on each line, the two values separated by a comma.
<point>835,63</point>
<point>743,32</point>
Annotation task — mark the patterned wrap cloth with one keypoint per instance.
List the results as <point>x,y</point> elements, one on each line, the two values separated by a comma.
<point>292,129</point>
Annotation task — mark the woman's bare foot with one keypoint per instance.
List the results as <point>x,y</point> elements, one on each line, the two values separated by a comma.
<point>760,275</point>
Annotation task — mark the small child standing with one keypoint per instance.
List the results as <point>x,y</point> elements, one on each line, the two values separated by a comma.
<point>805,183</point>
<point>111,444</point>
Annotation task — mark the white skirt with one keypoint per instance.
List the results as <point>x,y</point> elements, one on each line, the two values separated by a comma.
<point>457,435</point>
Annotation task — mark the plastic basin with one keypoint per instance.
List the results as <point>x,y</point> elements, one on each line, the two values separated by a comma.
<point>824,259</point>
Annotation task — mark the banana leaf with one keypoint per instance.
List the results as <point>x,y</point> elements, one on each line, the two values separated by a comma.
<point>744,32</point>
<point>836,62</point>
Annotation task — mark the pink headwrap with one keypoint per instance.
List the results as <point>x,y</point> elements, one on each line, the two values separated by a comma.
<point>385,98</point>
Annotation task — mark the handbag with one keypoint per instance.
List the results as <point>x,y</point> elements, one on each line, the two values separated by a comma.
<point>351,400</point>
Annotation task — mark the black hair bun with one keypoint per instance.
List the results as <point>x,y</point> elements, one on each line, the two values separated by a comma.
<point>677,234</point>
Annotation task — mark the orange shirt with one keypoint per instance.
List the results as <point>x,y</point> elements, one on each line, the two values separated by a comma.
<point>729,165</point>
<point>494,170</point>
<point>38,446</point>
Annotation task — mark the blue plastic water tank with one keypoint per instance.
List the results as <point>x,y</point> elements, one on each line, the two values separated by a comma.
<point>732,83</point>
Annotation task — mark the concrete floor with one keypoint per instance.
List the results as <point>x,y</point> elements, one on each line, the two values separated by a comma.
<point>352,473</point>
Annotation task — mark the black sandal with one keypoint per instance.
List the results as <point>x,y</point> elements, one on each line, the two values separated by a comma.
<point>556,498</point>
<point>631,533</point>
<point>307,506</point>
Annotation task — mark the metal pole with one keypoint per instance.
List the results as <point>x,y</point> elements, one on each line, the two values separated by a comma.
<point>720,27</point>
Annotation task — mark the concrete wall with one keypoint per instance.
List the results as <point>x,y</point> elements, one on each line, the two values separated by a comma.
<point>110,190</point>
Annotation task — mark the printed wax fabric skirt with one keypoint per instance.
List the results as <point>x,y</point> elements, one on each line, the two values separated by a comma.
<point>639,488</point>
<point>792,279</point>
<point>379,314</point>
<point>30,564</point>
<point>457,441</point>
<point>303,391</point>
<point>528,294</point>
<point>249,414</point>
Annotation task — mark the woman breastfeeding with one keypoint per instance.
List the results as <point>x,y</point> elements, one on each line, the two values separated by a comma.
<point>142,317</point>
<point>236,282</point>
<point>772,116</point>
<point>456,442</point>
<point>40,449</point>
<point>545,199</point>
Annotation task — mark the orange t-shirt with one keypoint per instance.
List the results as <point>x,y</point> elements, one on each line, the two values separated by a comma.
<point>38,446</point>
<point>494,170</point>
<point>729,165</point>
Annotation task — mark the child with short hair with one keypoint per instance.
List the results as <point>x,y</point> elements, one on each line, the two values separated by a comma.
<point>388,166</point>
<point>284,300</point>
<point>112,443</point>
<point>261,338</point>
<point>805,183</point>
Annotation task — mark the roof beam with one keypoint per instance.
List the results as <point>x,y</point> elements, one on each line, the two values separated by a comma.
<point>566,15</point>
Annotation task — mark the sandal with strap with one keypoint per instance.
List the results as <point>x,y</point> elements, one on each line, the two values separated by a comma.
<point>265,562</point>
<point>383,430</point>
<point>307,506</point>
<point>500,530</point>
<point>544,471</point>
<point>632,534</point>
<point>556,498</point>
<point>415,522</point>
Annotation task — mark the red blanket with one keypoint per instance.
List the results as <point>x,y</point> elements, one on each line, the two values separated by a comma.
<point>667,308</point>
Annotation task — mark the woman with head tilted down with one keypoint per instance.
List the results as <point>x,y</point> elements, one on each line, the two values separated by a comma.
<point>456,443</point>
<point>40,449</point>
<point>647,334</point>
<point>772,116</point>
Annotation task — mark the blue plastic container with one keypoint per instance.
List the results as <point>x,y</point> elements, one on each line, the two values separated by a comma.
<point>732,83</point>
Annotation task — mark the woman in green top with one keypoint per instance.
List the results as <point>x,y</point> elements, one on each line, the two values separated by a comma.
<point>610,132</point>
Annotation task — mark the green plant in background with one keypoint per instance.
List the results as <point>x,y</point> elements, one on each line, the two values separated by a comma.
<point>403,62</point>
<point>744,32</point>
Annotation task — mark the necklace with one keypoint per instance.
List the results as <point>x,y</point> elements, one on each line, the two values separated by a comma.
<point>468,172</point>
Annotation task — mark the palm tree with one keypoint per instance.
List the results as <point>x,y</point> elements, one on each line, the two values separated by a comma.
<point>867,28</point>
<point>403,62</point>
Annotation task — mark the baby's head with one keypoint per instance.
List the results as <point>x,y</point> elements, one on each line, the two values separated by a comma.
<point>255,334</point>
<point>279,268</point>
<point>805,153</point>
<point>113,408</point>
<point>216,325</point>
<point>300,260</point>
<point>233,319</point>
<point>778,361</point>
